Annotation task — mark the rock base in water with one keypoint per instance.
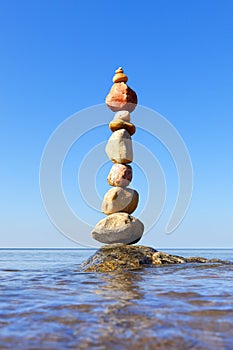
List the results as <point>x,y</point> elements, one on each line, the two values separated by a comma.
<point>119,256</point>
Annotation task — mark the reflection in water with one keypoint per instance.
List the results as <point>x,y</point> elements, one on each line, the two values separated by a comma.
<point>125,321</point>
<point>123,286</point>
<point>134,315</point>
<point>57,307</point>
<point>120,292</point>
<point>121,320</point>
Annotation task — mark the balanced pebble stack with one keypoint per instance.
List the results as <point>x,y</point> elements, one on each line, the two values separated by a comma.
<point>120,202</point>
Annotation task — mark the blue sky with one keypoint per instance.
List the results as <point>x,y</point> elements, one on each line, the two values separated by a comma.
<point>58,57</point>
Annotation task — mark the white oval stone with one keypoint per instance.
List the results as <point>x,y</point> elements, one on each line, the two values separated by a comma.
<point>123,115</point>
<point>119,147</point>
<point>118,228</point>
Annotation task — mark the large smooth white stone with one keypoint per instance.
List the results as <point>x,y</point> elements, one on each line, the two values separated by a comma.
<point>119,147</point>
<point>118,228</point>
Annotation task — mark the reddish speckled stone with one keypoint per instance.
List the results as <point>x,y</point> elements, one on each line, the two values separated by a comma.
<point>120,175</point>
<point>121,97</point>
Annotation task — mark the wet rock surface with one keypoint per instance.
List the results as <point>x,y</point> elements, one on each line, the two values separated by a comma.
<point>116,257</point>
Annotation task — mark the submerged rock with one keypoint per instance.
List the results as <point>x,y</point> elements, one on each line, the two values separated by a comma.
<point>119,256</point>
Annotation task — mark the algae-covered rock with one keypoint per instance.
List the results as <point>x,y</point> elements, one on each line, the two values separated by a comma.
<point>119,256</point>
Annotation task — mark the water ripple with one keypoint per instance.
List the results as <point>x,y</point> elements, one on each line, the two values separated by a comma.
<point>56,306</point>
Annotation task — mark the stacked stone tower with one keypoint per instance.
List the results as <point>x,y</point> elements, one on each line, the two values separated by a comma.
<point>120,201</point>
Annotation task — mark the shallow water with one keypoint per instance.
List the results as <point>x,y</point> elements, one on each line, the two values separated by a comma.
<point>46,302</point>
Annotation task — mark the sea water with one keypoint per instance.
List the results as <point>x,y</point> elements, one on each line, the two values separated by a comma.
<point>47,302</point>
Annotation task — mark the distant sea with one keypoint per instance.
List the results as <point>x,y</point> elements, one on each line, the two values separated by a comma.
<point>46,302</point>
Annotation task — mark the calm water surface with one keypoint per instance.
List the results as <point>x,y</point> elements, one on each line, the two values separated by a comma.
<point>46,302</point>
